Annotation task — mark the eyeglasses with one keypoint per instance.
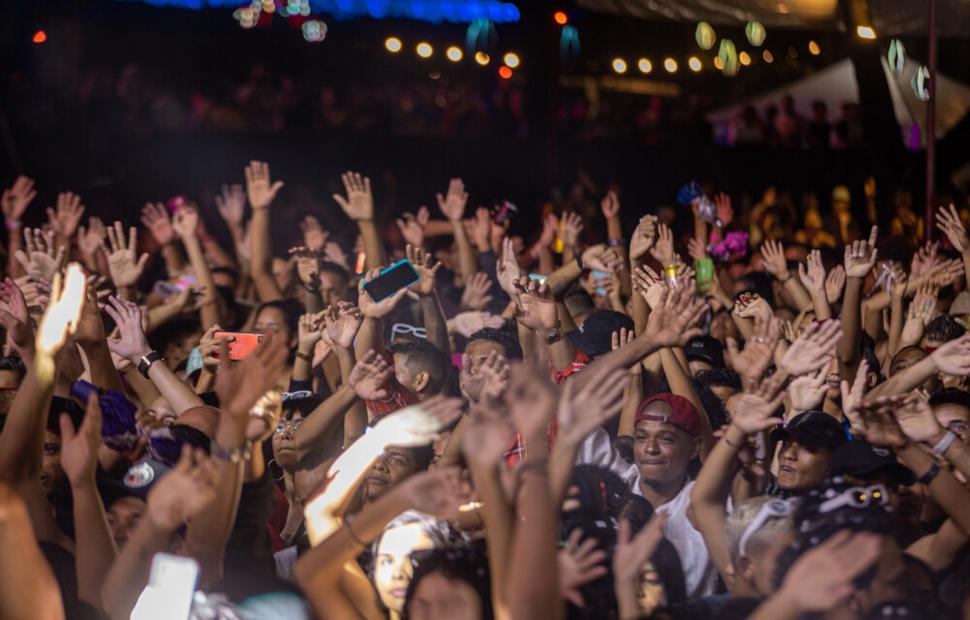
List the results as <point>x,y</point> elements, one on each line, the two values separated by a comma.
<point>856,497</point>
<point>293,424</point>
<point>772,509</point>
<point>960,427</point>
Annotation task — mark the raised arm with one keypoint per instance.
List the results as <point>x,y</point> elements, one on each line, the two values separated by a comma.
<point>775,263</point>
<point>14,202</point>
<point>371,334</point>
<point>155,217</point>
<point>452,205</point>
<point>261,195</point>
<point>359,206</point>
<point>186,226</point>
<point>124,264</point>
<point>434,319</point>
<point>860,258</point>
<point>949,222</point>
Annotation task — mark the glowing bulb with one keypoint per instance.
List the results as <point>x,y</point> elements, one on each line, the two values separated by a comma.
<point>504,73</point>
<point>619,65</point>
<point>768,56</point>
<point>512,60</point>
<point>744,59</point>
<point>454,54</point>
<point>865,32</point>
<point>813,48</point>
<point>39,37</point>
<point>718,63</point>
<point>392,44</point>
<point>424,50</point>
<point>670,65</point>
<point>482,58</point>
<point>560,18</point>
<point>705,36</point>
<point>694,63</point>
<point>644,65</point>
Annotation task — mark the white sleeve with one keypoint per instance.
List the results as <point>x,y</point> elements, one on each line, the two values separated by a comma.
<point>597,449</point>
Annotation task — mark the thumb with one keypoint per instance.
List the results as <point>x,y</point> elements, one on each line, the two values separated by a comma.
<point>67,428</point>
<point>142,261</point>
<point>275,188</point>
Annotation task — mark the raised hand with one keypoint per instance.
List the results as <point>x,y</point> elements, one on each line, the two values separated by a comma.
<point>79,448</point>
<point>531,399</point>
<point>240,386</point>
<point>812,274</point>
<point>65,219</point>
<point>507,269</point>
<point>677,317</point>
<point>377,309</point>
<point>308,330</point>
<point>808,391</point>
<point>756,408</point>
<point>834,283</point>
<point>663,249</point>
<point>467,323</point>
<point>537,307</point>
<point>89,239</point>
<point>915,417</point>
<point>231,204</point>
<point>156,218</point>
<point>122,267</point>
<point>921,311</point>
<point>953,357</point>
<point>341,323</point>
<point>412,226</point>
<point>314,236</point>
<point>15,199</point>
<point>696,249</point>
<point>860,256</point>
<point>14,316</point>
<point>480,228</point>
<point>774,255</point>
<point>549,227</point>
<point>583,410</point>
<point>571,225</point>
<point>307,266</point>
<point>852,396</point>
<point>643,237</point>
<point>924,260</point>
<point>369,377</point>
<point>753,306</point>
<point>725,213</point>
<point>875,423</point>
<point>42,258</point>
<point>418,425</point>
<point>475,294</point>
<point>752,363</point>
<point>452,204</point>
<point>649,284</point>
<point>258,187</point>
<point>812,349</point>
<point>186,222</point>
<point>210,346</point>
<point>131,342</point>
<point>632,551</point>
<point>439,493</point>
<point>610,205</point>
<point>949,222</point>
<point>184,491</point>
<point>332,252</point>
<point>426,266</point>
<point>494,372</point>
<point>487,434</point>
<point>579,564</point>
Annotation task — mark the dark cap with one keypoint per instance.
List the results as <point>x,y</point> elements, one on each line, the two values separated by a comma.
<point>814,430</point>
<point>594,336</point>
<point>136,482</point>
<point>705,349</point>
<point>861,459</point>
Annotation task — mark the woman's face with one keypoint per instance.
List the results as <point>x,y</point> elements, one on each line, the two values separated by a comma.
<point>392,566</point>
<point>436,596</point>
<point>272,321</point>
<point>650,589</point>
<point>284,442</point>
<point>123,516</point>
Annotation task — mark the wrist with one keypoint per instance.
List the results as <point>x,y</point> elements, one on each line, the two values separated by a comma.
<point>783,276</point>
<point>138,353</point>
<point>13,224</point>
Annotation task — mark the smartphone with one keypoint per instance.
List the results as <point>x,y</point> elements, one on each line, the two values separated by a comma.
<point>166,289</point>
<point>602,292</point>
<point>399,275</point>
<point>538,277</point>
<point>705,273</point>
<point>171,586</point>
<point>242,345</point>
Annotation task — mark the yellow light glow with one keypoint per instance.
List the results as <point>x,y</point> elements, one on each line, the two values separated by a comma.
<point>61,318</point>
<point>718,63</point>
<point>644,65</point>
<point>482,58</point>
<point>694,63</point>
<point>512,60</point>
<point>393,45</point>
<point>865,32</point>
<point>424,50</point>
<point>670,65</point>
<point>768,57</point>
<point>619,65</point>
<point>454,54</point>
<point>744,59</point>
<point>813,48</point>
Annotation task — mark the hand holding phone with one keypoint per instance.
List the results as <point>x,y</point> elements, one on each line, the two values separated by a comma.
<point>241,344</point>
<point>401,274</point>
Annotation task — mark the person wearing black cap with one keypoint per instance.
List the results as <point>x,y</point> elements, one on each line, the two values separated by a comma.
<point>704,353</point>
<point>594,336</point>
<point>807,443</point>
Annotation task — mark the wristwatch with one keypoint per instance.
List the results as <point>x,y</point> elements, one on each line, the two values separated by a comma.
<point>146,362</point>
<point>235,455</point>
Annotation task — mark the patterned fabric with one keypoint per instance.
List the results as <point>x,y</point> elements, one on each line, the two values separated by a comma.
<point>400,397</point>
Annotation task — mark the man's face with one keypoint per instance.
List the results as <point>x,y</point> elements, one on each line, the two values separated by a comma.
<point>123,517</point>
<point>800,469</point>
<point>50,469</point>
<point>333,288</point>
<point>390,468</point>
<point>954,417</point>
<point>661,450</point>
<point>905,359</point>
<point>478,350</point>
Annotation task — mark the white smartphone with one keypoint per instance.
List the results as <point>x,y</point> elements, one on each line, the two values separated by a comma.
<point>171,585</point>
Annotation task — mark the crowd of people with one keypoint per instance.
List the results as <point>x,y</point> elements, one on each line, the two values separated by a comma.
<point>784,126</point>
<point>734,422</point>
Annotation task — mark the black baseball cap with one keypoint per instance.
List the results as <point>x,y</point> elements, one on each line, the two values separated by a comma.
<point>861,459</point>
<point>705,349</point>
<point>594,336</point>
<point>812,429</point>
<point>136,482</point>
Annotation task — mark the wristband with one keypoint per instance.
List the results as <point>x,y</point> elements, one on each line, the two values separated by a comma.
<point>928,477</point>
<point>234,455</point>
<point>579,261</point>
<point>145,363</point>
<point>944,444</point>
<point>616,242</point>
<point>304,356</point>
<point>13,224</point>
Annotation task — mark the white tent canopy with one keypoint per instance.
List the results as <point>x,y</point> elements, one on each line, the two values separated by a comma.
<point>837,84</point>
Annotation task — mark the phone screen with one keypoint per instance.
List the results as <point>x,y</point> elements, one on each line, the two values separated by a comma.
<point>399,275</point>
<point>171,585</point>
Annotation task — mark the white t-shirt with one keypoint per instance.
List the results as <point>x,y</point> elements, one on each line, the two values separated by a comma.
<point>700,575</point>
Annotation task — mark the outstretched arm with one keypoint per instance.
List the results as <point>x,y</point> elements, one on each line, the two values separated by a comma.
<point>261,195</point>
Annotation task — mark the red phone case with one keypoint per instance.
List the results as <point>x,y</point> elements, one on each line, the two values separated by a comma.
<point>242,345</point>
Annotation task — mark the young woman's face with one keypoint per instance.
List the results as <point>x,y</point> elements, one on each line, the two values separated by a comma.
<point>392,566</point>
<point>272,321</point>
<point>650,589</point>
<point>284,442</point>
<point>123,516</point>
<point>436,596</point>
<point>50,468</point>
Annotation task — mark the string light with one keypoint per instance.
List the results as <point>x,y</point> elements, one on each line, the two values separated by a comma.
<point>482,58</point>
<point>705,36</point>
<point>744,59</point>
<point>813,48</point>
<point>39,37</point>
<point>718,63</point>
<point>424,50</point>
<point>768,57</point>
<point>512,60</point>
<point>505,73</point>
<point>619,65</point>
<point>670,65</point>
<point>644,65</point>
<point>560,18</point>
<point>314,30</point>
<point>454,53</point>
<point>393,45</point>
<point>694,63</point>
<point>756,33</point>
<point>865,32</point>
<point>896,56</point>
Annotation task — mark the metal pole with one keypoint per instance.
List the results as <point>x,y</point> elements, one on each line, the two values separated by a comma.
<point>931,124</point>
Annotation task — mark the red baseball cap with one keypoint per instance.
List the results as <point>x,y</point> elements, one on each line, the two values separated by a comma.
<point>682,414</point>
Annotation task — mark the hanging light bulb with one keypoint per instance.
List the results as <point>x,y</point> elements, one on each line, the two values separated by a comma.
<point>756,33</point>
<point>705,36</point>
<point>896,56</point>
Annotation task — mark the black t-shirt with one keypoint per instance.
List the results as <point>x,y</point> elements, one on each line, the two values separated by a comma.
<point>249,550</point>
